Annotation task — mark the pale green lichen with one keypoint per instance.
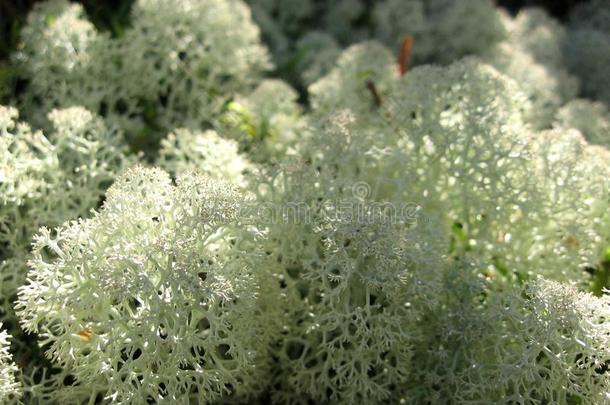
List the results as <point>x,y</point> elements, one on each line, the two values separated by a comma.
<point>154,295</point>
<point>399,234</point>
<point>10,389</point>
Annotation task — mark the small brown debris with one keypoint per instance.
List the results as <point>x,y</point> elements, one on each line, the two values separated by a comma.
<point>85,334</point>
<point>373,89</point>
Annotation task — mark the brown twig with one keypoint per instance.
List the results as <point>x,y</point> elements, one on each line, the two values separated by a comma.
<point>405,54</point>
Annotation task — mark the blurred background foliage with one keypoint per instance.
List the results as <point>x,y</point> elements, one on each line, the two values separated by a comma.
<point>113,15</point>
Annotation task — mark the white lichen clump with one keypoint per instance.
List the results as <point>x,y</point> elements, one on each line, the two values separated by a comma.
<point>267,123</point>
<point>218,158</point>
<point>48,179</point>
<point>152,77</point>
<point>154,295</point>
<point>60,56</point>
<point>461,133</point>
<point>185,74</point>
